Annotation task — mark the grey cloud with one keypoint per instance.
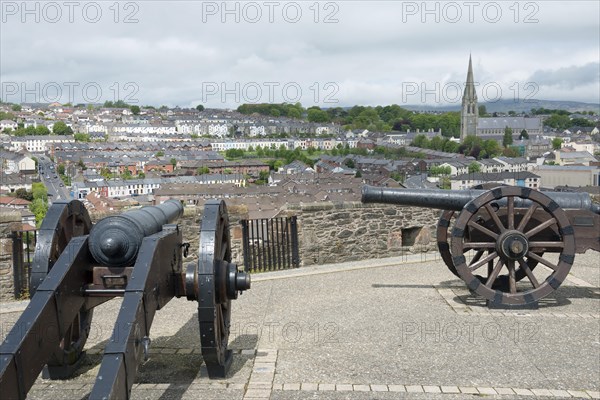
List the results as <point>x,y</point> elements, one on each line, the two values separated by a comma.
<point>568,77</point>
<point>370,53</point>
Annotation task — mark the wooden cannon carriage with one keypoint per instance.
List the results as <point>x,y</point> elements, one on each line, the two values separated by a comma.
<point>495,239</point>
<point>137,255</point>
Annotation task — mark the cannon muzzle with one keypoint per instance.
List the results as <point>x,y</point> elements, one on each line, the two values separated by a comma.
<point>427,198</point>
<point>114,241</point>
<point>455,200</point>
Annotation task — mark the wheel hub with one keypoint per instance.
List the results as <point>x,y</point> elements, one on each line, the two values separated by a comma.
<point>512,245</point>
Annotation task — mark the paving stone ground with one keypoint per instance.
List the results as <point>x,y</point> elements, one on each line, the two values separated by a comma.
<point>377,329</point>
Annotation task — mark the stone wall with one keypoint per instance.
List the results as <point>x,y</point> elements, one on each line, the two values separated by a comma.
<point>328,233</point>
<point>9,221</point>
<point>332,233</point>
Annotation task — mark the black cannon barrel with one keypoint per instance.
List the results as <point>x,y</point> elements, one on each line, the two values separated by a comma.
<point>456,199</point>
<point>114,241</point>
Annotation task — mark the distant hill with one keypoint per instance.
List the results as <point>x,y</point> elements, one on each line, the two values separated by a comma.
<point>518,106</point>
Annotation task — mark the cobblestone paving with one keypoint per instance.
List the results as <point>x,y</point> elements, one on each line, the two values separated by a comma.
<point>383,329</point>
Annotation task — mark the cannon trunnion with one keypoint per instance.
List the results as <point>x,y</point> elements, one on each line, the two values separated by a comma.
<point>137,255</point>
<point>495,239</point>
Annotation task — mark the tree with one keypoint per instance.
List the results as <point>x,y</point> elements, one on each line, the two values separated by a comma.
<point>203,170</point>
<point>294,113</point>
<point>135,110</point>
<point>349,163</point>
<point>315,114</point>
<point>60,128</point>
<point>582,122</point>
<point>105,172</point>
<point>6,115</point>
<point>482,110</point>
<point>61,169</point>
<point>556,143</point>
<point>160,153</point>
<point>39,208</point>
<point>127,174</point>
<point>263,177</point>
<point>81,165</point>
<point>524,135</point>
<point>511,152</point>
<point>558,121</point>
<point>22,193</point>
<point>200,107</point>
<point>491,148</point>
<point>507,140</point>
<point>420,141</point>
<point>81,137</point>
<point>173,162</point>
<point>39,191</point>
<point>41,130</point>
<point>474,167</point>
<point>16,107</point>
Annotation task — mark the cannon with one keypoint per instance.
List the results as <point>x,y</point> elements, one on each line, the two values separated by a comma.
<point>511,230</point>
<point>137,255</point>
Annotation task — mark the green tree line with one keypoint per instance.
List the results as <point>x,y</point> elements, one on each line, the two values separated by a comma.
<point>379,118</point>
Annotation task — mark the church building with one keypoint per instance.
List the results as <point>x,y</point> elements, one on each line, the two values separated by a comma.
<point>492,127</point>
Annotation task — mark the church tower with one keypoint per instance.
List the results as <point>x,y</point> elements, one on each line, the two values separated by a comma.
<point>469,113</point>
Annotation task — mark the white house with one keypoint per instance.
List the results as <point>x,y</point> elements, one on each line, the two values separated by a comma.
<point>590,147</point>
<point>457,167</point>
<point>523,179</point>
<point>517,164</point>
<point>8,124</point>
<point>14,163</point>
<point>37,144</point>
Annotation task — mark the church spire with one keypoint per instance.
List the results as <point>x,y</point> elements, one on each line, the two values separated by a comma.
<point>469,112</point>
<point>470,84</point>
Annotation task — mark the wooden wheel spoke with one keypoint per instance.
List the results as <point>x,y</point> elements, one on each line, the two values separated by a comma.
<point>494,216</point>
<point>540,227</point>
<point>495,273</point>
<point>542,260</point>
<point>483,229</point>
<point>510,204</point>
<point>223,252</point>
<point>529,274</point>
<point>477,257</point>
<point>512,280</point>
<point>479,245</point>
<point>527,217</point>
<point>483,261</point>
<point>546,244</point>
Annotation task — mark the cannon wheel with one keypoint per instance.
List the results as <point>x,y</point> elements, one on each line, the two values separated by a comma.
<point>443,244</point>
<point>63,221</point>
<point>214,308</point>
<point>509,246</point>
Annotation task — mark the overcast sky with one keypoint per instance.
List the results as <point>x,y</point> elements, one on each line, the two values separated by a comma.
<point>330,54</point>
